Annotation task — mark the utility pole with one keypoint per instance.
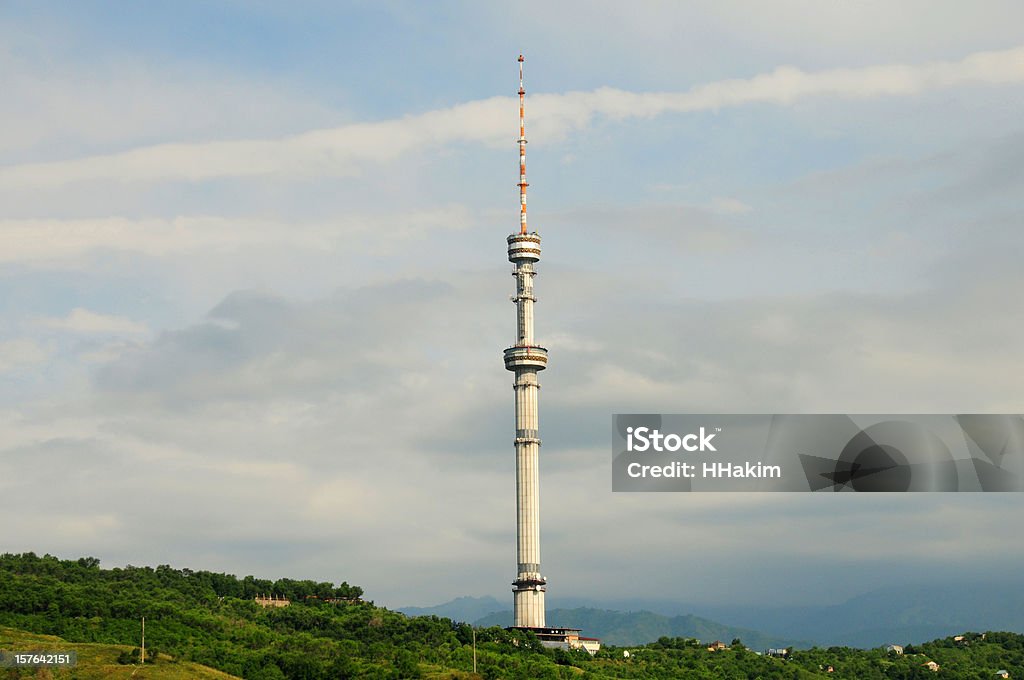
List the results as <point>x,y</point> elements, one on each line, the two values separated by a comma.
<point>142,657</point>
<point>474,651</point>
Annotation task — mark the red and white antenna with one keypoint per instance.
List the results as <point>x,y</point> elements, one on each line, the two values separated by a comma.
<point>522,151</point>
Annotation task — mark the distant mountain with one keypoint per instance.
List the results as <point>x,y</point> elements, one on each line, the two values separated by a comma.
<point>466,609</point>
<point>635,628</point>
<point>892,615</point>
<point>900,615</point>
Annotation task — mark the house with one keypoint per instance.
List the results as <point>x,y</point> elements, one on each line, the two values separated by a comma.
<point>716,646</point>
<point>779,653</point>
<point>591,645</point>
<point>1002,674</point>
<point>895,649</point>
<point>932,666</point>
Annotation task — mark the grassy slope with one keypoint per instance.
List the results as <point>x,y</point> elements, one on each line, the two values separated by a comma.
<point>100,661</point>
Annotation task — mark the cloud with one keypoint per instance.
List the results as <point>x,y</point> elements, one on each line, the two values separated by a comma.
<point>687,228</point>
<point>83,321</point>
<point>344,150</point>
<point>21,353</point>
<point>57,101</point>
<point>336,151</point>
<point>378,418</point>
<point>729,206</point>
<point>365,434</point>
<point>57,241</point>
<point>685,40</point>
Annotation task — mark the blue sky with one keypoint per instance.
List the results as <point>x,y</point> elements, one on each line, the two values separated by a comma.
<point>254,291</point>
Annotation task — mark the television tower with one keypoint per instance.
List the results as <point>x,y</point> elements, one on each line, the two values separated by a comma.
<point>526,359</point>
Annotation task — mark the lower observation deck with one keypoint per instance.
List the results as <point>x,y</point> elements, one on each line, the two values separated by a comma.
<point>530,582</point>
<point>533,356</point>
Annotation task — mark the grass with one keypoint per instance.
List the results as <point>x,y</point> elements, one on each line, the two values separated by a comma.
<point>434,672</point>
<point>97,661</point>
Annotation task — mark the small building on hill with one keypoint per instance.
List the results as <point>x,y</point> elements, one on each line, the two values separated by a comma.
<point>272,601</point>
<point>334,600</point>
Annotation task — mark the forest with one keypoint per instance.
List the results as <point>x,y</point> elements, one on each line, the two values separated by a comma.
<point>332,631</point>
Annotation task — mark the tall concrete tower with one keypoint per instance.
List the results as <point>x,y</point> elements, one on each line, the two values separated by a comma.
<point>526,359</point>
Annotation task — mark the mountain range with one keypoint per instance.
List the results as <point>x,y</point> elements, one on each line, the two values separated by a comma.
<point>635,628</point>
<point>904,615</point>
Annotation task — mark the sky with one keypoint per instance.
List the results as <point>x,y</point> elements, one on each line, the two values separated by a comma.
<point>254,287</point>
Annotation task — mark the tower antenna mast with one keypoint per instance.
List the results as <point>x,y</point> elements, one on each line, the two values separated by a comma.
<point>522,150</point>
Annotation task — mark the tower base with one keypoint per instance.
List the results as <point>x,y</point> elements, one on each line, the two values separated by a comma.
<point>528,603</point>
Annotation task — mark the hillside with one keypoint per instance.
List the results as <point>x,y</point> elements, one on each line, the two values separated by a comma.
<point>212,619</point>
<point>97,661</point>
<point>197,619</point>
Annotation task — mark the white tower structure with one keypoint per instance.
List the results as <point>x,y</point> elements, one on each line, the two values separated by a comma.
<point>526,359</point>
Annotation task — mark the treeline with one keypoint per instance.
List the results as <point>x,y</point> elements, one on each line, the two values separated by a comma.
<point>191,584</point>
<point>975,656</point>
<point>211,619</point>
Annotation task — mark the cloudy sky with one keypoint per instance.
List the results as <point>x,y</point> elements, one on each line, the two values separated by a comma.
<point>254,293</point>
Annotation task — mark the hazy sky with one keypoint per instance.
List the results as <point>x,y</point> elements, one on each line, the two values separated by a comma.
<point>254,289</point>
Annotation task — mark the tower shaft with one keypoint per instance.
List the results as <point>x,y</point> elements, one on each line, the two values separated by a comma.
<point>526,359</point>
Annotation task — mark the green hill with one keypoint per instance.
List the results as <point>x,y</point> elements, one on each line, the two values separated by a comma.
<point>198,621</point>
<point>212,619</point>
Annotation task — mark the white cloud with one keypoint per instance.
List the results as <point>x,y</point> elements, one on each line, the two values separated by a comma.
<point>729,206</point>
<point>21,353</point>
<point>53,241</point>
<point>332,409</point>
<point>51,104</point>
<point>343,150</point>
<point>83,321</point>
